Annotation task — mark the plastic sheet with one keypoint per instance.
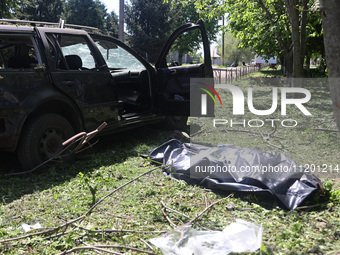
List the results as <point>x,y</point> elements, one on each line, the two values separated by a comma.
<point>239,236</point>
<point>28,228</point>
<point>231,168</point>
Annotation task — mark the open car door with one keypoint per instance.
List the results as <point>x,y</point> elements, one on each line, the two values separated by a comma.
<point>174,78</point>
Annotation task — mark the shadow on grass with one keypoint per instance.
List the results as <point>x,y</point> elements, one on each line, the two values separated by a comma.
<point>109,150</point>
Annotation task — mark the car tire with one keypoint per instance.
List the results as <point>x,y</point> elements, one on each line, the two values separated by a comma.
<point>42,139</point>
<point>174,122</point>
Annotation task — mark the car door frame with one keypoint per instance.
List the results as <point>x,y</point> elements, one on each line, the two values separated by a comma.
<point>107,109</point>
<point>165,73</point>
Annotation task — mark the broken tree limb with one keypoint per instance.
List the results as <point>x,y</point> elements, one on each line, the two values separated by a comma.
<point>168,219</point>
<point>50,231</point>
<point>120,187</point>
<point>66,224</point>
<point>207,208</point>
<point>180,213</point>
<point>325,130</point>
<point>99,247</point>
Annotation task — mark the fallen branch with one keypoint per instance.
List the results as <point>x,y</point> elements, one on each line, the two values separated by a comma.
<point>42,232</point>
<point>325,130</point>
<point>168,219</point>
<point>251,132</point>
<point>66,224</point>
<point>120,187</point>
<point>96,251</point>
<point>310,206</point>
<point>184,215</point>
<point>99,247</point>
<point>207,208</point>
<point>146,243</point>
<point>265,139</point>
<point>122,231</point>
<point>173,210</point>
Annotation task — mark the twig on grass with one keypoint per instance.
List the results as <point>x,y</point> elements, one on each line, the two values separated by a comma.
<point>207,208</point>
<point>146,243</point>
<point>325,130</point>
<point>122,231</point>
<point>122,186</point>
<point>96,251</point>
<point>251,132</point>
<point>265,139</point>
<point>100,247</point>
<point>50,231</point>
<point>173,210</point>
<point>310,206</point>
<point>168,219</point>
<point>180,213</point>
<point>197,133</point>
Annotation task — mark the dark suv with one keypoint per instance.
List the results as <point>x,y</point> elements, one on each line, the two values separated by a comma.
<point>57,80</point>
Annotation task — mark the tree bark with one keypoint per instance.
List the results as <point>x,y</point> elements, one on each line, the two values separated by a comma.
<point>293,13</point>
<point>303,25</point>
<point>330,14</point>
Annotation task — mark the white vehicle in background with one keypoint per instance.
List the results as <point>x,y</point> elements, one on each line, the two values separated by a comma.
<point>262,60</point>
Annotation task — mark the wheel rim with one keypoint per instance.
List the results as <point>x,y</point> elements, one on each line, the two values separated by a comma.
<point>50,143</point>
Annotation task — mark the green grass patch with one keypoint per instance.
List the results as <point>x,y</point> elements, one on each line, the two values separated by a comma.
<point>58,194</point>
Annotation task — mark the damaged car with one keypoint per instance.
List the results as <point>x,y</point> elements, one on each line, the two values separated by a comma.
<point>57,80</point>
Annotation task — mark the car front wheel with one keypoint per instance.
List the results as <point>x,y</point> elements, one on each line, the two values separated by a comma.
<point>42,139</point>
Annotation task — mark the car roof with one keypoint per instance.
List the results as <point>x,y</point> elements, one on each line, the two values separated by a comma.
<point>14,28</point>
<point>27,25</point>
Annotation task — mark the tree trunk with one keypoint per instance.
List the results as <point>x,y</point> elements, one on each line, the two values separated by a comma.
<point>330,13</point>
<point>180,59</point>
<point>303,26</point>
<point>308,63</point>
<point>283,65</point>
<point>293,13</point>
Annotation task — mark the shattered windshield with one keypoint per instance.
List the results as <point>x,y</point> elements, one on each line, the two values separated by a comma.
<point>116,57</point>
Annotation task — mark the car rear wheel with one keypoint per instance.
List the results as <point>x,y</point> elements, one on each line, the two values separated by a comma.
<point>42,139</point>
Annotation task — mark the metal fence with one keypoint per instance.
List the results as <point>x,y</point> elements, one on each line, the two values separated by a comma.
<point>229,74</point>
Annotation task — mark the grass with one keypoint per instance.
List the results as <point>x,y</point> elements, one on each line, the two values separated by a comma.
<point>58,194</point>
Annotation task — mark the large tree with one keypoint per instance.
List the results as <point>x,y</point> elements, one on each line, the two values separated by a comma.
<point>149,26</point>
<point>330,13</point>
<point>232,50</point>
<point>39,10</point>
<point>6,7</point>
<point>269,27</point>
<point>190,42</point>
<point>86,12</point>
<point>112,24</point>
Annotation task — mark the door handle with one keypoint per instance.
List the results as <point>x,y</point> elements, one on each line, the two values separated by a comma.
<point>67,83</point>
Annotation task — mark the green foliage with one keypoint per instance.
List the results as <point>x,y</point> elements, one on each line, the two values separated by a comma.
<point>86,12</point>
<point>6,7</point>
<point>40,10</point>
<point>112,24</point>
<point>331,194</point>
<point>232,50</point>
<point>150,23</point>
<point>189,43</point>
<point>149,26</point>
<point>264,26</point>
